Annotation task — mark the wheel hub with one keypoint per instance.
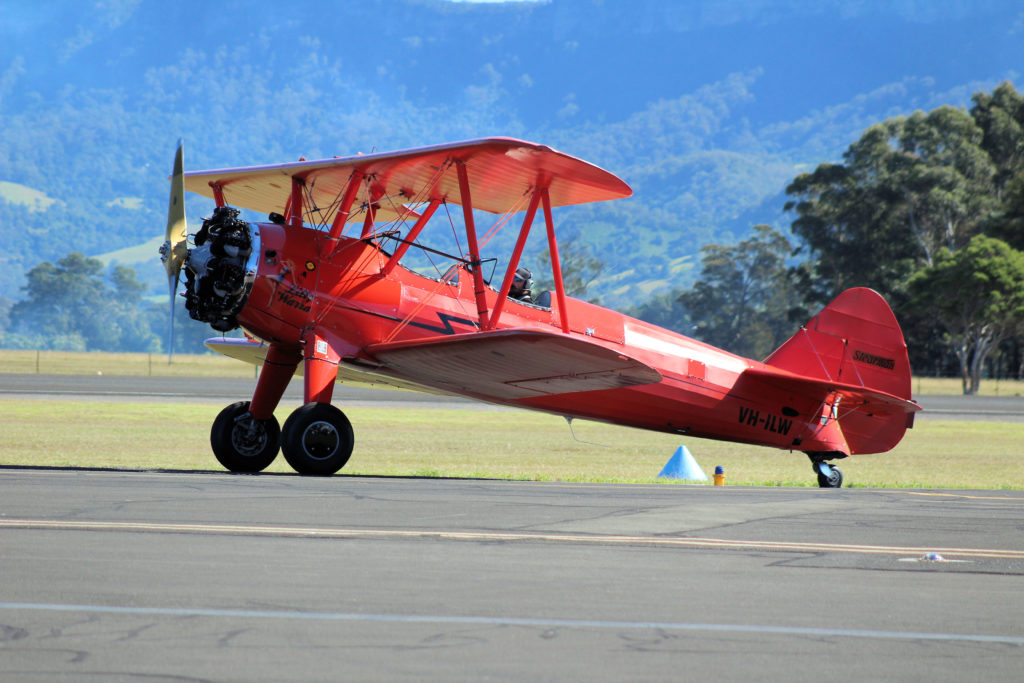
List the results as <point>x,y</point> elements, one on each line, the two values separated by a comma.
<point>320,440</point>
<point>248,437</point>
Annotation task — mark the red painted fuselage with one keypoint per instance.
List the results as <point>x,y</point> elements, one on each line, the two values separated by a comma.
<point>345,308</point>
<point>348,303</point>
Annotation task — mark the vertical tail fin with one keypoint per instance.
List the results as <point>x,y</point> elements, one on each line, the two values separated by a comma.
<point>855,340</point>
<point>856,347</point>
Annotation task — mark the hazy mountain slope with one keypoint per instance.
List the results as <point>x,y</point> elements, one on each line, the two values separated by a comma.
<point>706,109</point>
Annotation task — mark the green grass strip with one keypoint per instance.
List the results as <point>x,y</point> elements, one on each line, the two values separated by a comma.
<point>499,444</point>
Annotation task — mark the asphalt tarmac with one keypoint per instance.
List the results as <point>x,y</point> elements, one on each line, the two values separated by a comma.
<point>172,576</point>
<point>162,576</point>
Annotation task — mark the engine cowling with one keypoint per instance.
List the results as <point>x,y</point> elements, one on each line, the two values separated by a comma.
<point>221,268</point>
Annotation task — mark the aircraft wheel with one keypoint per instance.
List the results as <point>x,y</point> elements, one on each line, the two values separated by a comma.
<point>242,443</point>
<point>317,439</point>
<point>829,476</point>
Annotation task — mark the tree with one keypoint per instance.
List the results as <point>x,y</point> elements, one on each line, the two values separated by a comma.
<point>907,188</point>
<point>742,299</point>
<point>664,310</point>
<point>579,268</point>
<point>944,178</point>
<point>1008,223</point>
<point>70,305</point>
<point>977,297</point>
<point>1001,118</point>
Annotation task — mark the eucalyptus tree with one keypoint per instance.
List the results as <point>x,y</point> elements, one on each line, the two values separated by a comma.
<point>72,304</point>
<point>1001,116</point>
<point>578,264</point>
<point>742,298</point>
<point>976,295</point>
<point>907,188</point>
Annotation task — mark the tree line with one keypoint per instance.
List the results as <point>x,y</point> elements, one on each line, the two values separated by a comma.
<point>76,304</point>
<point>927,209</point>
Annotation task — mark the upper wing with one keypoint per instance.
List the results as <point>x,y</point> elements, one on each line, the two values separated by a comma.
<point>500,172</point>
<point>510,364</point>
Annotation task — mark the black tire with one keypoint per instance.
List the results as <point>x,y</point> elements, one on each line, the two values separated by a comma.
<point>241,443</point>
<point>317,439</point>
<point>833,480</point>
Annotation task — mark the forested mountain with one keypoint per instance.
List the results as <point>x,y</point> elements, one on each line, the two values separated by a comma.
<point>708,109</point>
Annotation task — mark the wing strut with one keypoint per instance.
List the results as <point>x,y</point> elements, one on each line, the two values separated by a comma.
<point>293,211</point>
<point>513,263</point>
<point>474,248</point>
<point>373,196</point>
<point>556,266</point>
<point>218,193</point>
<point>351,190</point>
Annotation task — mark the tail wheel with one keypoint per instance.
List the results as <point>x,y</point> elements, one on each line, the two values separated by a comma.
<point>829,476</point>
<point>317,439</point>
<point>242,443</point>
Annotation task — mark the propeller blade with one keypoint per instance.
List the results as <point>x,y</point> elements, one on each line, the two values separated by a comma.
<point>174,249</point>
<point>172,282</point>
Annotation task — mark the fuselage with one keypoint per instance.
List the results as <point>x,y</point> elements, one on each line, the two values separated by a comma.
<point>350,289</point>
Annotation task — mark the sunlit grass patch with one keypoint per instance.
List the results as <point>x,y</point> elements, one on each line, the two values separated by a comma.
<point>516,445</point>
<point>98,362</point>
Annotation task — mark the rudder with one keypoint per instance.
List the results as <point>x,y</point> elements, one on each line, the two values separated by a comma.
<point>855,340</point>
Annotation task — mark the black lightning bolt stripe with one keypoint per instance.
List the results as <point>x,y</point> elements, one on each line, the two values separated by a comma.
<point>446,323</point>
<point>444,328</point>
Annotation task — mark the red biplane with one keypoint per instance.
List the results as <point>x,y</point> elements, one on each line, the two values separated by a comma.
<point>354,308</point>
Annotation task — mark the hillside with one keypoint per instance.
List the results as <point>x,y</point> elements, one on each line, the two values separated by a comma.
<point>706,109</point>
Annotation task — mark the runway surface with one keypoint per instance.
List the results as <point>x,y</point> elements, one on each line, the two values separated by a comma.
<point>169,576</point>
<point>227,390</point>
<point>161,576</point>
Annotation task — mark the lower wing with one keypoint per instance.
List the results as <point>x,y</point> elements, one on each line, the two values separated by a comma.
<point>511,364</point>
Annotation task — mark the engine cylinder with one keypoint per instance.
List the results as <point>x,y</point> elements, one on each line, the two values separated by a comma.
<point>221,268</point>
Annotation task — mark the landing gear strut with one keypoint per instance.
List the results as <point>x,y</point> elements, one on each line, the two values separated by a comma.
<point>829,476</point>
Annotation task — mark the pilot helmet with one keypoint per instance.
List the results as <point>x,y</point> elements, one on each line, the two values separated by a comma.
<point>523,281</point>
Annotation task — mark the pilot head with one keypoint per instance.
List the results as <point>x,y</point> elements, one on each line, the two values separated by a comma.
<point>522,283</point>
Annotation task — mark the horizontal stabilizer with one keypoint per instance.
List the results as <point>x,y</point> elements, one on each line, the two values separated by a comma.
<point>511,364</point>
<point>868,421</point>
<point>869,400</point>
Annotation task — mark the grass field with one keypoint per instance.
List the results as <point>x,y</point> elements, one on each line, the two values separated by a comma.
<point>148,364</point>
<point>501,445</point>
<point>461,443</point>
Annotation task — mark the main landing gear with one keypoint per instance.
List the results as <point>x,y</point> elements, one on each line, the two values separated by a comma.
<point>317,439</point>
<point>829,476</point>
<point>241,442</point>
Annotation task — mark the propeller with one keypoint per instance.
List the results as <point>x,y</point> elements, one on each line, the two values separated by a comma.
<point>174,249</point>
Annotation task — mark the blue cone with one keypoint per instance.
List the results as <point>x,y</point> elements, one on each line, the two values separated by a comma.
<point>682,466</point>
